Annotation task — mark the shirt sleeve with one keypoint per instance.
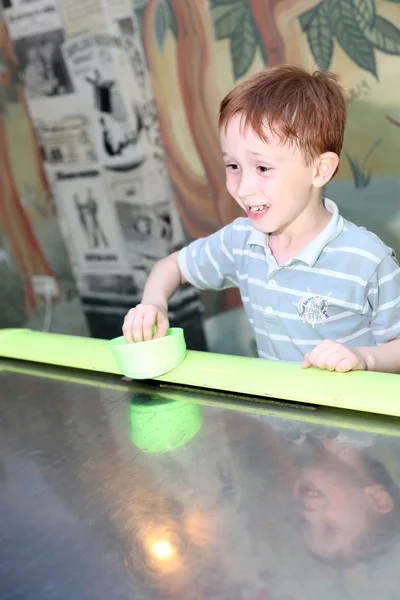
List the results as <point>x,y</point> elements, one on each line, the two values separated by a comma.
<point>208,263</point>
<point>384,298</point>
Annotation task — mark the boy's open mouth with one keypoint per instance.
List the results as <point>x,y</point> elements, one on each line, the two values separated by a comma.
<point>256,212</point>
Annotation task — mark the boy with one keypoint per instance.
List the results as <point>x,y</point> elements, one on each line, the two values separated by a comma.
<point>316,288</point>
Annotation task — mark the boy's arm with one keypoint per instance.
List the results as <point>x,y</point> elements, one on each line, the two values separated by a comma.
<point>163,281</point>
<point>206,263</point>
<point>383,296</point>
<point>385,358</point>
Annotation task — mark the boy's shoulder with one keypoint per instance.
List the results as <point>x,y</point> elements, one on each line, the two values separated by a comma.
<point>361,240</point>
<point>240,230</point>
<point>242,224</point>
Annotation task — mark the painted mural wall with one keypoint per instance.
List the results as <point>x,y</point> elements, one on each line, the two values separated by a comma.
<point>197,51</point>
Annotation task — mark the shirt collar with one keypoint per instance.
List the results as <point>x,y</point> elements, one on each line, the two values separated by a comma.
<point>311,252</point>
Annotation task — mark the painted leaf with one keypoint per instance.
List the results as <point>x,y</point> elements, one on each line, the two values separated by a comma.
<point>349,35</point>
<point>384,36</point>
<point>307,17</point>
<point>243,47</point>
<point>214,3</point>
<point>319,38</point>
<point>172,19</point>
<point>161,22</point>
<point>366,10</point>
<point>227,19</point>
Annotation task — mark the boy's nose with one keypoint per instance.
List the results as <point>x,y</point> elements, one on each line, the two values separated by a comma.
<point>246,187</point>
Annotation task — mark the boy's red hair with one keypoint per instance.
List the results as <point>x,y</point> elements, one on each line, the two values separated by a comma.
<point>308,108</point>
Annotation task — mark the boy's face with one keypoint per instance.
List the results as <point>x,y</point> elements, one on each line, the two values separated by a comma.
<point>271,182</point>
<point>336,510</point>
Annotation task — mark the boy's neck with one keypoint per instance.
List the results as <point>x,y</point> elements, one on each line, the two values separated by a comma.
<point>285,244</point>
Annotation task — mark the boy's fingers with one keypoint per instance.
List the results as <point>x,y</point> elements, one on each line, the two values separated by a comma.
<point>346,364</point>
<point>162,325</point>
<point>137,325</point>
<point>140,321</point>
<point>127,327</point>
<point>148,324</point>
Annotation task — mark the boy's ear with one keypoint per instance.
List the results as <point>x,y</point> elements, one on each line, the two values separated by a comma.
<point>324,168</point>
<point>379,499</point>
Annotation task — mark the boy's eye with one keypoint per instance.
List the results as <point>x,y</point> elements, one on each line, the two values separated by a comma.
<point>232,166</point>
<point>263,169</point>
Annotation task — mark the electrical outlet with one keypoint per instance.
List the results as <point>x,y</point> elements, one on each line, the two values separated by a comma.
<point>45,286</point>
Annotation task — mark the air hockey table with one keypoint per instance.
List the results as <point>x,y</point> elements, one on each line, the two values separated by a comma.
<point>156,490</point>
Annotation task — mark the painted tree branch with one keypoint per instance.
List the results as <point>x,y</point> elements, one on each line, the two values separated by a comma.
<point>264,16</point>
<point>8,50</point>
<point>25,248</point>
<point>203,202</point>
<point>193,194</point>
<point>198,81</point>
<point>393,121</point>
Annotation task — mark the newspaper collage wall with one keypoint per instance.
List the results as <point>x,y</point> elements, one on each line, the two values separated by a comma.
<point>91,103</point>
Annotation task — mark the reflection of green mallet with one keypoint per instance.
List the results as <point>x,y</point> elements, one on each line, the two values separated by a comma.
<point>146,360</point>
<point>159,425</point>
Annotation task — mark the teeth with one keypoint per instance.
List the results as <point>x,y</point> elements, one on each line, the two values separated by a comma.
<point>313,494</point>
<point>259,208</point>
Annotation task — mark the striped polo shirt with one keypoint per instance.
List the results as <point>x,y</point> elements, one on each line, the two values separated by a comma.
<point>343,286</point>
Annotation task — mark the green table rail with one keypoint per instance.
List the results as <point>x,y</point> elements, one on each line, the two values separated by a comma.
<point>358,390</point>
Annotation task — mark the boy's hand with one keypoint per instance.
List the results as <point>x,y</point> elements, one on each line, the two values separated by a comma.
<point>333,356</point>
<point>140,321</point>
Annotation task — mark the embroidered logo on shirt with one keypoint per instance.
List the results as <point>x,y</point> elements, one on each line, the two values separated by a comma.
<point>313,309</point>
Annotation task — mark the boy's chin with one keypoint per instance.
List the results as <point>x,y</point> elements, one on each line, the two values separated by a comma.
<point>259,226</point>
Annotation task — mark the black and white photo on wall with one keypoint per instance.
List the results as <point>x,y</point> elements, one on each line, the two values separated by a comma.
<point>149,234</point>
<point>115,145</point>
<point>147,225</point>
<point>96,64</point>
<point>41,64</point>
<point>88,215</point>
<point>107,96</point>
<point>132,42</point>
<point>110,284</point>
<point>63,138</point>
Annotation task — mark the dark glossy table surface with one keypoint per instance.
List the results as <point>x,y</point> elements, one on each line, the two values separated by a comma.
<point>113,490</point>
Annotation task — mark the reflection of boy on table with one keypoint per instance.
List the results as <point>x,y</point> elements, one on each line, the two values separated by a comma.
<point>317,289</point>
<point>347,503</point>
